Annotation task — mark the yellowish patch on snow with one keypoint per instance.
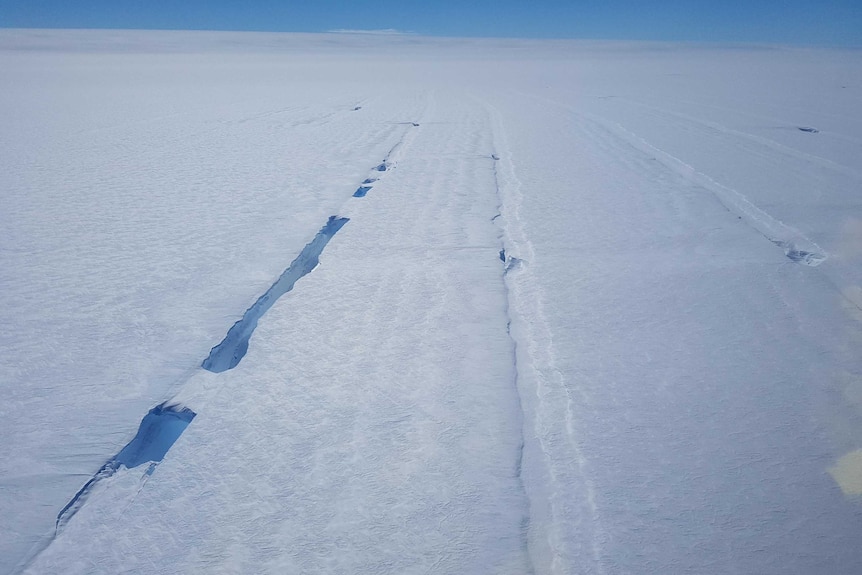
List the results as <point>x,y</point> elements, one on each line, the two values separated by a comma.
<point>848,473</point>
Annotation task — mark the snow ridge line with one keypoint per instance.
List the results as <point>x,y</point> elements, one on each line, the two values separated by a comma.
<point>561,500</point>
<point>796,245</point>
<point>511,263</point>
<point>760,140</point>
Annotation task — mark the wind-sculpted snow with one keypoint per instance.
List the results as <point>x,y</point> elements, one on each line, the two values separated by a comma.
<point>227,354</point>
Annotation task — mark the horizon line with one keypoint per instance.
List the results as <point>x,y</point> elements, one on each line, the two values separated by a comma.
<point>394,33</point>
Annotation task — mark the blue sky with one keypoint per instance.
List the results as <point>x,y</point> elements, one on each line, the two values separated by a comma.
<point>830,22</point>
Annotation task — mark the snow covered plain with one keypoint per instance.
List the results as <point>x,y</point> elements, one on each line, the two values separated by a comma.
<point>596,307</point>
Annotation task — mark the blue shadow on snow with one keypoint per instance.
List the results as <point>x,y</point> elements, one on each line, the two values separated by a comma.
<point>159,429</point>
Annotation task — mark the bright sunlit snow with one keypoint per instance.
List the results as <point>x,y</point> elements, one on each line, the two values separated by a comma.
<point>591,307</point>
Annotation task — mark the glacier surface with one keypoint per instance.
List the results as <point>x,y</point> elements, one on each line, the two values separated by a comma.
<point>598,308</point>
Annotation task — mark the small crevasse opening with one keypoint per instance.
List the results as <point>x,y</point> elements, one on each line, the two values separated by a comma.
<point>158,431</point>
<point>227,354</point>
<point>799,255</point>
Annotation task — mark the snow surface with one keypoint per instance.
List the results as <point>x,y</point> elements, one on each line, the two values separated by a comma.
<point>663,374</point>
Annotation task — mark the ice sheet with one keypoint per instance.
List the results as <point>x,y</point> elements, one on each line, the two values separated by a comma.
<point>654,379</point>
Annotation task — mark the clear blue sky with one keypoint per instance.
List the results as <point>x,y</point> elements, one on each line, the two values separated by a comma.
<point>830,22</point>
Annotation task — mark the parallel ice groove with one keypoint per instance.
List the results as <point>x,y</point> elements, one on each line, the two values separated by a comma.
<point>412,467</point>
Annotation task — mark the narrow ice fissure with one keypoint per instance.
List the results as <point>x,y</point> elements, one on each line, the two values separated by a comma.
<point>519,457</point>
<point>227,354</point>
<point>164,424</point>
